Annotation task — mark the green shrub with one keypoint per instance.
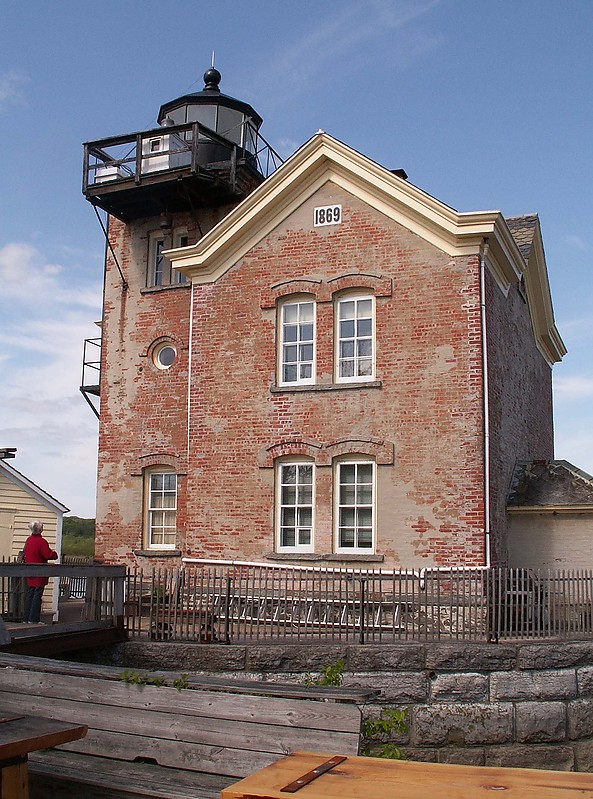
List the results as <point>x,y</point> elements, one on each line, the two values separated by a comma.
<point>376,731</point>
<point>330,675</point>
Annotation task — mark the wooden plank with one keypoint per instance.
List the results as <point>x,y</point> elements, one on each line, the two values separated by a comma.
<point>232,685</point>
<point>14,781</point>
<point>176,754</point>
<point>179,727</point>
<point>377,778</point>
<point>25,734</point>
<point>70,776</point>
<point>267,710</point>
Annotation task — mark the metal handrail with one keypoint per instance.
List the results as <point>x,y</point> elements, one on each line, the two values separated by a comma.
<point>187,138</point>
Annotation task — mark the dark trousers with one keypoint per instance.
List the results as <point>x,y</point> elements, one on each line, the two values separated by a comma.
<point>33,604</point>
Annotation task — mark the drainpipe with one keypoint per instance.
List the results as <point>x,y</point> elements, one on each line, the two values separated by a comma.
<point>483,254</point>
<point>189,366</point>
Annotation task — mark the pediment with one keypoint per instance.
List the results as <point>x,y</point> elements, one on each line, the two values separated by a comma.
<point>324,159</point>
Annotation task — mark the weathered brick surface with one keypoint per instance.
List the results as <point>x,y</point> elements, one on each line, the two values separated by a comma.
<point>520,399</point>
<point>555,655</point>
<point>401,688</point>
<point>584,756</point>
<point>462,724</point>
<point>474,657</point>
<point>580,718</point>
<point>459,688</point>
<point>540,722</point>
<point>540,684</point>
<point>426,405</point>
<point>585,681</point>
<point>462,757</point>
<point>555,758</point>
<point>397,657</point>
<point>293,657</point>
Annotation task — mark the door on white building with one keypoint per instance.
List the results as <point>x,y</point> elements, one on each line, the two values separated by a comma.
<point>6,532</point>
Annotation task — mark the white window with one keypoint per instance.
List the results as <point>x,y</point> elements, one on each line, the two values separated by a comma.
<point>297,342</point>
<point>355,334</point>
<point>181,239</point>
<point>295,492</point>
<point>355,506</point>
<point>157,261</point>
<point>159,271</point>
<point>164,355</point>
<point>161,509</point>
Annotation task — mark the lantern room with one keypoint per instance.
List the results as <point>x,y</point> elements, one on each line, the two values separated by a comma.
<point>206,150</point>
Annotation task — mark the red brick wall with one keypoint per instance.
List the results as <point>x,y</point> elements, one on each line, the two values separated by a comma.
<point>520,400</point>
<point>427,408</point>
<point>422,420</point>
<point>143,409</point>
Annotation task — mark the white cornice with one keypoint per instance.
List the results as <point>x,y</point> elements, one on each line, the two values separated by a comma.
<point>324,159</point>
<point>547,337</point>
<point>550,509</point>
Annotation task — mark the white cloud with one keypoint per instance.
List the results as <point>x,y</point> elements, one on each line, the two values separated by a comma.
<point>12,84</point>
<point>577,242</point>
<point>46,313</point>
<point>573,388</point>
<point>341,35</point>
<point>26,277</point>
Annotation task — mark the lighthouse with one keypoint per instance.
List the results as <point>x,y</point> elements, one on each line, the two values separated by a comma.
<point>161,189</point>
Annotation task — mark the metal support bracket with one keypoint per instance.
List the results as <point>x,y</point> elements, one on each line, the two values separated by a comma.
<point>295,786</point>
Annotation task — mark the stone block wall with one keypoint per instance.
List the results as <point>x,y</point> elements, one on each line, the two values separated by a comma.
<point>526,705</point>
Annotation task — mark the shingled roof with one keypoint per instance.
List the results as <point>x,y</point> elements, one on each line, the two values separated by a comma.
<point>523,230</point>
<point>550,484</point>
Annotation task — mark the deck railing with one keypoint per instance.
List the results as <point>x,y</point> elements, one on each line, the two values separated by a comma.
<point>98,589</point>
<point>186,146</point>
<point>250,602</point>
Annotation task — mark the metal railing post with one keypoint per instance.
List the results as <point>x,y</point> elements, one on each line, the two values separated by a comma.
<point>362,606</point>
<point>227,612</point>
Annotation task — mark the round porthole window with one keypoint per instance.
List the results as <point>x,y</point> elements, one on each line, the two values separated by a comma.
<point>164,356</point>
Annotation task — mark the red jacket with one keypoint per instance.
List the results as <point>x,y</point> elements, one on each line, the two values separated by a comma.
<point>37,550</point>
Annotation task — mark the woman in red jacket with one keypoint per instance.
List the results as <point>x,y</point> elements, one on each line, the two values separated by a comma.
<point>37,550</point>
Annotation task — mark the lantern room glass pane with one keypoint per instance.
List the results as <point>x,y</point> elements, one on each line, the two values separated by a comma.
<point>230,123</point>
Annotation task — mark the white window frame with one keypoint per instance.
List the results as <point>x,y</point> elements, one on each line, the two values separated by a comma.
<point>284,344</point>
<point>155,259</point>
<point>157,242</point>
<point>282,505</point>
<point>355,339</point>
<point>340,506</point>
<point>180,239</point>
<point>154,508</point>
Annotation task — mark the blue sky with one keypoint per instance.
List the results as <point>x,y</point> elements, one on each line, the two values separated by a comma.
<point>485,103</point>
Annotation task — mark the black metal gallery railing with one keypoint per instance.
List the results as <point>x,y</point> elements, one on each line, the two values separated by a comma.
<point>250,602</point>
<point>190,146</point>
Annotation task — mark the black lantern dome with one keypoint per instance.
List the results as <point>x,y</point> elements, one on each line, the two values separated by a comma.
<point>225,115</point>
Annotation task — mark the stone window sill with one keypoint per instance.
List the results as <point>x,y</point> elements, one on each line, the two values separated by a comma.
<point>308,557</point>
<point>325,387</point>
<point>157,553</point>
<point>156,289</point>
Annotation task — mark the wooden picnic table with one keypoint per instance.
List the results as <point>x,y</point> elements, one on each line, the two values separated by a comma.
<point>20,735</point>
<point>377,778</point>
